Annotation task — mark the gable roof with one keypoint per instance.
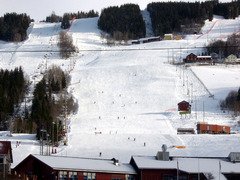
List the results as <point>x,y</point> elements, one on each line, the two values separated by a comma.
<point>183,102</point>
<point>83,164</point>
<point>191,54</point>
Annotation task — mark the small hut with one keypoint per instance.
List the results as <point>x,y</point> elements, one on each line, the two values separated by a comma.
<point>184,107</point>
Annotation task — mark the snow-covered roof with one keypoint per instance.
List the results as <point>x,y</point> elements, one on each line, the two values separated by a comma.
<point>85,164</point>
<point>150,162</point>
<point>190,165</point>
<point>204,56</point>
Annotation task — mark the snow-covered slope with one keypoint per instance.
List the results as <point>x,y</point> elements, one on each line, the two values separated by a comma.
<point>128,98</point>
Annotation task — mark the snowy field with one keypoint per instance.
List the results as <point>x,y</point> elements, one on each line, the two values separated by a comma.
<point>128,95</point>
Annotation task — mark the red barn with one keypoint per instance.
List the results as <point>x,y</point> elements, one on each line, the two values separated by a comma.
<point>184,107</point>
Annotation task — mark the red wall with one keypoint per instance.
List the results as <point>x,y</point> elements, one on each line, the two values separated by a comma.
<point>104,176</point>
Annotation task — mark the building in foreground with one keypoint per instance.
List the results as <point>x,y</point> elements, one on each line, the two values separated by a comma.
<point>163,167</point>
<point>62,167</point>
<point>159,167</point>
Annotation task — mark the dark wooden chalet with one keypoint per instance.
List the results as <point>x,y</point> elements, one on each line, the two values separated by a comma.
<point>5,157</point>
<point>60,167</point>
<point>192,58</point>
<point>184,106</point>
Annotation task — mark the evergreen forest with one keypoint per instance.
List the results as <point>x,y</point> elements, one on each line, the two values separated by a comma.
<point>168,17</point>
<point>13,27</point>
<point>12,92</point>
<point>126,20</point>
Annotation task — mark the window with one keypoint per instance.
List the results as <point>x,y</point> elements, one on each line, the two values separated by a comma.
<point>63,175</point>
<point>89,176</point>
<point>183,177</point>
<point>130,177</point>
<point>72,175</point>
<point>169,177</point>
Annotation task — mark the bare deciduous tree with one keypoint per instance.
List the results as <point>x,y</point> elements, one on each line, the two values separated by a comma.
<point>66,45</point>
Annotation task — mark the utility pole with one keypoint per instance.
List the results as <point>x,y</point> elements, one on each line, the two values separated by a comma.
<point>198,170</point>
<point>53,123</point>
<point>177,170</point>
<point>196,107</point>
<point>203,112</point>
<point>191,92</point>
<point>65,117</point>
<point>183,75</point>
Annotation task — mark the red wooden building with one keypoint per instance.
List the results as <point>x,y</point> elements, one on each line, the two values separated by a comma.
<point>205,128</point>
<point>60,167</point>
<point>184,107</point>
<point>159,167</point>
<point>151,168</point>
<point>192,58</point>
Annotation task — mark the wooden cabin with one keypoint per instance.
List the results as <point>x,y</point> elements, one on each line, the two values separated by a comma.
<point>192,58</point>
<point>62,167</point>
<point>184,107</point>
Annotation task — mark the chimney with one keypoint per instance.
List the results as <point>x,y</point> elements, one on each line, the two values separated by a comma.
<point>115,161</point>
<point>163,155</point>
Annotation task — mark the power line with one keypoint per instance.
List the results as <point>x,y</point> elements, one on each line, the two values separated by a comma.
<point>108,50</point>
<point>113,50</point>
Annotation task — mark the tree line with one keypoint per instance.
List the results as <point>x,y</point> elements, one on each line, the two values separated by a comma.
<point>13,27</point>
<point>121,22</point>
<point>168,17</point>
<point>65,19</point>
<point>13,88</point>
<point>78,15</point>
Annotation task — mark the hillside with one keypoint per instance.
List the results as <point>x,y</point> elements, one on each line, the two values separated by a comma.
<point>128,95</point>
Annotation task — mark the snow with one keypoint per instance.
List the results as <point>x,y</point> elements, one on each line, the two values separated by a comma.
<point>128,95</point>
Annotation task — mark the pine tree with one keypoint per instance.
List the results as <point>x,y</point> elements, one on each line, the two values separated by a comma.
<point>65,22</point>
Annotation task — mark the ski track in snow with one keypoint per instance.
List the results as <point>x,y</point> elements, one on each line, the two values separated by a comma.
<point>128,99</point>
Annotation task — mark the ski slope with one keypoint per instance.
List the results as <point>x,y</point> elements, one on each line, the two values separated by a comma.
<point>128,98</point>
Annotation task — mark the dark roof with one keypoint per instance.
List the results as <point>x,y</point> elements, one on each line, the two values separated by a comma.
<point>5,148</point>
<point>192,54</point>
<point>183,102</point>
